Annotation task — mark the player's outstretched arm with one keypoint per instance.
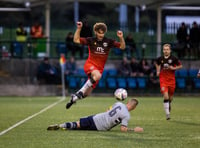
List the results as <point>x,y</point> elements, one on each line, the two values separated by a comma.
<point>77,32</point>
<point>121,39</point>
<point>136,129</point>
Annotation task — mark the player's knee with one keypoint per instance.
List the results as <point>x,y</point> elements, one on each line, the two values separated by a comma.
<point>78,124</point>
<point>97,76</point>
<point>166,96</point>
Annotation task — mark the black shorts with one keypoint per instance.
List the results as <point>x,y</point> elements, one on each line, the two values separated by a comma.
<point>87,123</point>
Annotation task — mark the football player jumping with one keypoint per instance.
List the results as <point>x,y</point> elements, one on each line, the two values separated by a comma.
<point>99,47</point>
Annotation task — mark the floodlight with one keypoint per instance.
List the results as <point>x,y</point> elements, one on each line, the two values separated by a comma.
<point>27,4</point>
<point>143,7</point>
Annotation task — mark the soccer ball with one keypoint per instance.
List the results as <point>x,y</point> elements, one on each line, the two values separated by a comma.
<point>120,94</point>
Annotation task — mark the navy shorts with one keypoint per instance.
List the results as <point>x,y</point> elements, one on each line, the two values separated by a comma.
<point>87,123</point>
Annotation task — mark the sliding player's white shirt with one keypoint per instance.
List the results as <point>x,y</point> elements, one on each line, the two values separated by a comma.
<point>107,120</point>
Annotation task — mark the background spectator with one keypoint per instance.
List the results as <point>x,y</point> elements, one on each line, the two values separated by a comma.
<point>131,46</point>
<point>70,68</point>
<point>134,67</point>
<point>153,79</point>
<point>72,47</point>
<point>194,39</point>
<point>86,31</point>
<point>21,33</point>
<point>46,73</point>
<point>182,38</point>
<point>36,30</point>
<point>144,67</point>
<point>17,48</point>
<point>124,68</point>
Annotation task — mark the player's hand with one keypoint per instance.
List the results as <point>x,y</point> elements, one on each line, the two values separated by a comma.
<point>119,33</point>
<point>138,129</point>
<point>158,73</point>
<point>79,25</point>
<point>198,75</point>
<point>171,68</point>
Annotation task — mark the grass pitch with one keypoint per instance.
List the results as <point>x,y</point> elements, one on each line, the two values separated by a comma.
<point>182,131</point>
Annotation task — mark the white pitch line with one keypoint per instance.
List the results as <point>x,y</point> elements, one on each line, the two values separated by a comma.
<point>30,117</point>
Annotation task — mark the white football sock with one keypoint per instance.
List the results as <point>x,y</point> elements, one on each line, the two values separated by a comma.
<point>84,88</point>
<point>87,85</point>
<point>74,98</point>
<point>166,107</point>
<point>62,125</point>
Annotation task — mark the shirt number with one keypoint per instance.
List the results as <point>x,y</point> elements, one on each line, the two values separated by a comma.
<point>114,111</point>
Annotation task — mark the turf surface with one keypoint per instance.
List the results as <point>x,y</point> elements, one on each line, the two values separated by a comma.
<point>182,131</point>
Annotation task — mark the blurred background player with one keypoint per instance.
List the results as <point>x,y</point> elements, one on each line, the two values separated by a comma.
<point>165,67</point>
<point>99,47</point>
<point>119,113</point>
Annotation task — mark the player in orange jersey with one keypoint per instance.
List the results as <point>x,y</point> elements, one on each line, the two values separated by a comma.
<point>166,66</point>
<point>99,47</point>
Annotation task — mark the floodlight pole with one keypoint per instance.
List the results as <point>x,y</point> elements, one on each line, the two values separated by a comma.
<point>76,11</point>
<point>62,64</point>
<point>159,30</point>
<point>63,80</point>
<point>47,27</point>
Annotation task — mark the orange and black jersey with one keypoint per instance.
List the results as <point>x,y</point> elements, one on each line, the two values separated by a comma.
<point>99,50</point>
<point>167,76</point>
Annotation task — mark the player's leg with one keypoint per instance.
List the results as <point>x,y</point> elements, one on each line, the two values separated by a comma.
<point>170,101</point>
<point>67,125</point>
<point>166,105</point>
<point>94,77</point>
<point>86,88</point>
<point>171,93</point>
<point>70,125</point>
<point>88,91</point>
<point>53,127</point>
<point>82,93</point>
<point>86,123</point>
<point>164,91</point>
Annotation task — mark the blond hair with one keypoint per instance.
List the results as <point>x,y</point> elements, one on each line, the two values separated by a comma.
<point>167,45</point>
<point>133,102</point>
<point>100,26</point>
